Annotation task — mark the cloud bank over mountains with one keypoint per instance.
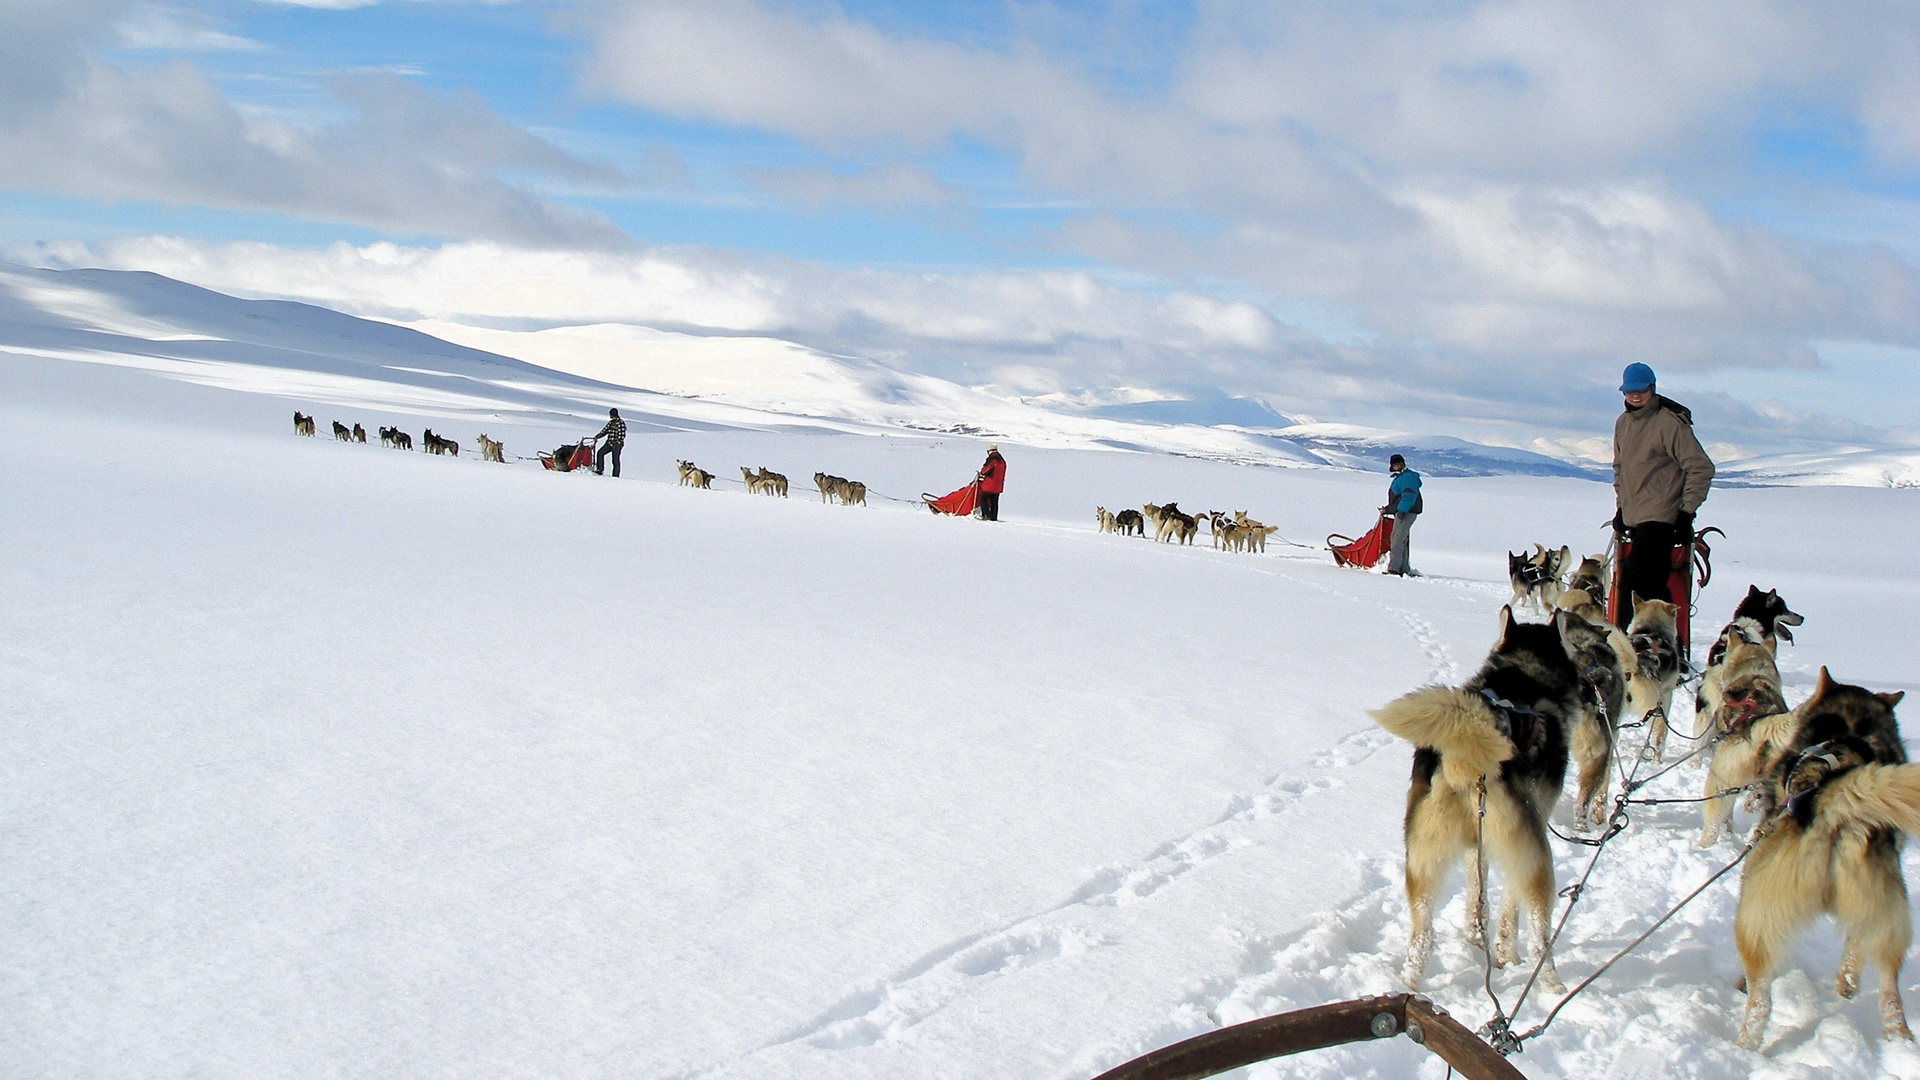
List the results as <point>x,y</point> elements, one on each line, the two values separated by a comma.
<point>1460,217</point>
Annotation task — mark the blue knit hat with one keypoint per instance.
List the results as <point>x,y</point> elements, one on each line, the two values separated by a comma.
<point>1637,377</point>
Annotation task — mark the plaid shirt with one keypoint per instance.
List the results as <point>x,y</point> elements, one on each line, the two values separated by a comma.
<point>615,432</point>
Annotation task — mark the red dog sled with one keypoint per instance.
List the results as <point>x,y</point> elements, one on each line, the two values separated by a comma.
<point>959,503</point>
<point>1365,551</point>
<point>1688,559</point>
<point>569,458</point>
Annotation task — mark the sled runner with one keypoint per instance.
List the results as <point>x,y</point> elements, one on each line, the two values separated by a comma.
<point>1688,559</point>
<point>1363,1020</point>
<point>1365,551</point>
<point>959,503</point>
<point>569,458</point>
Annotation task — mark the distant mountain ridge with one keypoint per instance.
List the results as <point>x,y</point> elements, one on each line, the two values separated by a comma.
<point>668,380</point>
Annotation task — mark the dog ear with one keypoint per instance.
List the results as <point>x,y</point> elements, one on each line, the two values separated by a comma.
<point>1893,698</point>
<point>1821,685</point>
<point>1506,626</point>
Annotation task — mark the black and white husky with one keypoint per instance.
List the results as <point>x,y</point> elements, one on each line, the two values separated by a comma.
<point>1506,732</point>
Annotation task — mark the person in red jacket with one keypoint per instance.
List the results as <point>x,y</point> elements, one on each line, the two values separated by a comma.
<point>993,480</point>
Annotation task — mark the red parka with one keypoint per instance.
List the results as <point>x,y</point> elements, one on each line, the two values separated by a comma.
<point>993,475</point>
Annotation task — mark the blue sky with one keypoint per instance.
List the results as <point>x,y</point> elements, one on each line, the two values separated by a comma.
<point>1459,218</point>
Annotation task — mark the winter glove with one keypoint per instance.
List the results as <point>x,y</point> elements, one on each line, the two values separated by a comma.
<point>1619,526</point>
<point>1683,528</point>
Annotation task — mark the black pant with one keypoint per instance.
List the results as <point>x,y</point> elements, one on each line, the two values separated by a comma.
<point>600,459</point>
<point>989,506</point>
<point>1648,566</point>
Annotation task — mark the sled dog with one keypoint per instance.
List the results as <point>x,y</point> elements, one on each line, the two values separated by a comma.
<point>687,469</point>
<point>1104,519</point>
<point>359,434</point>
<point>1151,515</point>
<point>402,440</point>
<point>773,483</point>
<point>854,492</point>
<point>1656,648</point>
<point>342,432</point>
<point>1504,732</point>
<point>1591,578</point>
<point>1763,614</point>
<point>302,425</point>
<point>386,437</point>
<point>829,486</point>
<point>491,450</point>
<point>700,478</point>
<point>1603,656</point>
<point>1175,526</point>
<point>1130,523</point>
<point>755,485</point>
<point>1536,577</point>
<point>1833,847</point>
<point>1748,717</point>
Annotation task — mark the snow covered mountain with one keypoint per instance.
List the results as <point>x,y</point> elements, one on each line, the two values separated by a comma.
<point>667,378</point>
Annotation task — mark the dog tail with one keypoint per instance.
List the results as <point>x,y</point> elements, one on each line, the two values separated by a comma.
<point>1454,722</point>
<point>1887,795</point>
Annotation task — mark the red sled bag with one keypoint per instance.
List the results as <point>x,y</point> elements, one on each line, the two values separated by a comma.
<point>959,503</point>
<point>1366,551</point>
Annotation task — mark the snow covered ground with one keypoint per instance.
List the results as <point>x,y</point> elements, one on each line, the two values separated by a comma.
<point>325,759</point>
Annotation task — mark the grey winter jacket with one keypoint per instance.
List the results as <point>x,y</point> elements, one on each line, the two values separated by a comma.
<point>1659,469</point>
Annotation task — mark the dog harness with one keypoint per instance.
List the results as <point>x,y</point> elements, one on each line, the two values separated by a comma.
<point>1506,713</point>
<point>1741,710</point>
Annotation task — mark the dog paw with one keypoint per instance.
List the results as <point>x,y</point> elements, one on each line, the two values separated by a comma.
<point>1707,840</point>
<point>1847,984</point>
<point>1551,980</point>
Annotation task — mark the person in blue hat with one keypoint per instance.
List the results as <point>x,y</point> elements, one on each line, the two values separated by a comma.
<point>1660,477</point>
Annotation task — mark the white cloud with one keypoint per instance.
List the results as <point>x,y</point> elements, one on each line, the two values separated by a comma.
<point>409,161</point>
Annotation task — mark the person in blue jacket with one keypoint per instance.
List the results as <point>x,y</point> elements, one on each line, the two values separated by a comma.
<point>1403,505</point>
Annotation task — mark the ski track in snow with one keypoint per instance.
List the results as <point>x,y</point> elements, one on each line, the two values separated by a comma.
<point>946,974</point>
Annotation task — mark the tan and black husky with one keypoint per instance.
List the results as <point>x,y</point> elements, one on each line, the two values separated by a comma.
<point>1655,637</point>
<point>1750,721</point>
<point>1846,798</point>
<point>1506,730</point>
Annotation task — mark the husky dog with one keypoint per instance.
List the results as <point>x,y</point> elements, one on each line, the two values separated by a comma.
<point>687,469</point>
<point>302,425</point>
<point>359,434</point>
<point>1656,648</point>
<point>700,478</point>
<point>1175,526</point>
<point>1591,577</point>
<point>1151,516</point>
<point>1256,536</point>
<point>755,485</point>
<point>1749,718</point>
<point>1221,528</point>
<point>1761,613</point>
<point>342,432</point>
<point>1536,577</point>
<point>1834,848</point>
<point>1130,523</point>
<point>431,443</point>
<point>402,440</point>
<point>1604,657</point>
<point>773,483</point>
<point>1505,729</point>
<point>828,485</point>
<point>491,450</point>
<point>1105,519</point>
<point>856,492</point>
<point>386,436</point>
